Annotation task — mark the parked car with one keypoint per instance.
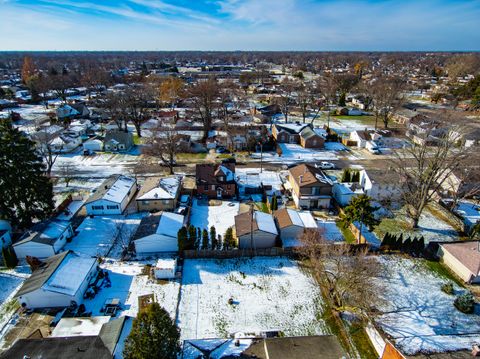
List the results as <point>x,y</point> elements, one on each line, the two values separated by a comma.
<point>325,165</point>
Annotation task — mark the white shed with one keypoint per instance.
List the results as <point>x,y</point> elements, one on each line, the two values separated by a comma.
<point>165,268</point>
<point>93,144</point>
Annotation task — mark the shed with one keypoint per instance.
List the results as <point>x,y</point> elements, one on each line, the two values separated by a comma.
<point>165,268</point>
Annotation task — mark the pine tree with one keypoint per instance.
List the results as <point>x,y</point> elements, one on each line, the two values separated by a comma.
<point>360,210</point>
<point>274,204</point>
<point>346,176</point>
<point>355,177</point>
<point>182,237</point>
<point>213,236</point>
<point>154,335</point>
<point>415,248</point>
<point>421,245</point>
<point>205,239</point>
<point>399,242</point>
<point>26,193</point>
<point>228,238</point>
<point>220,244</point>
<point>9,257</point>
<point>407,245</point>
<point>192,237</point>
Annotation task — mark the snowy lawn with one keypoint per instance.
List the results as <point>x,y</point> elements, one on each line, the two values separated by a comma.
<point>430,227</point>
<point>127,283</point>
<point>204,216</point>
<point>267,293</point>
<point>328,229</point>
<point>97,235</point>
<point>253,178</point>
<point>469,211</point>
<point>418,315</point>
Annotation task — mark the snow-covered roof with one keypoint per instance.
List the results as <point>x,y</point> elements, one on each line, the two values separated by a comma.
<point>170,223</point>
<point>166,188</point>
<point>265,222</point>
<point>67,327</point>
<point>229,175</point>
<point>164,263</point>
<point>114,189</point>
<point>70,274</point>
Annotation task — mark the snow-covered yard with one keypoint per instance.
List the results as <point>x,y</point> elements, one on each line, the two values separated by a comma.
<point>253,178</point>
<point>127,283</point>
<point>97,235</point>
<point>328,229</point>
<point>418,315</point>
<point>267,293</point>
<point>469,211</point>
<point>222,216</point>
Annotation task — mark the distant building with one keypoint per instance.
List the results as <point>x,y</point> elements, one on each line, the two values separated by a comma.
<point>116,141</point>
<point>298,133</point>
<point>216,180</point>
<point>112,197</point>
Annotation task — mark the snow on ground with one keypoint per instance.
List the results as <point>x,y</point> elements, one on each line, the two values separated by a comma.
<point>97,235</point>
<point>469,211</point>
<point>27,112</point>
<point>328,229</point>
<point>433,228</point>
<point>253,178</point>
<point>100,165</point>
<point>70,211</point>
<point>127,283</point>
<point>267,293</point>
<point>292,153</point>
<point>418,315</point>
<point>204,216</point>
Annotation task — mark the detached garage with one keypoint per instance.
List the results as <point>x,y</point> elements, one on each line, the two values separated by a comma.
<point>463,258</point>
<point>58,281</point>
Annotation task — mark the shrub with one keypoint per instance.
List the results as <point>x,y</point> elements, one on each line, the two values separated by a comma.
<point>465,303</point>
<point>447,288</point>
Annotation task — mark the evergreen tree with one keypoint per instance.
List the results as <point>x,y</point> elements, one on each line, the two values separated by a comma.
<point>274,204</point>
<point>220,244</point>
<point>407,245</point>
<point>9,257</point>
<point>399,242</point>
<point>26,193</point>
<point>415,248</point>
<point>205,239</point>
<point>213,236</point>
<point>182,237</point>
<point>421,245</point>
<point>192,237</point>
<point>228,238</point>
<point>360,210</point>
<point>355,177</point>
<point>154,335</point>
<point>346,176</point>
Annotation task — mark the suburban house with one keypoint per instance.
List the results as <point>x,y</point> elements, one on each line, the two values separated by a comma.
<point>216,180</point>
<point>112,197</point>
<point>298,133</point>
<point>255,226</point>
<point>381,185</point>
<point>158,233</point>
<point>93,144</point>
<point>159,194</point>
<point>311,187</point>
<point>65,143</point>
<point>292,224</point>
<point>116,141</point>
<point>79,338</point>
<point>58,281</point>
<point>44,239</point>
<point>463,258</point>
<point>363,137</point>
<point>344,192</point>
<point>463,181</point>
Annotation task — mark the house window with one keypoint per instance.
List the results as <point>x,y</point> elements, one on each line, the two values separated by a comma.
<point>97,207</point>
<point>314,142</point>
<point>315,191</point>
<point>112,207</point>
<point>221,178</point>
<point>145,202</point>
<point>213,187</point>
<point>205,187</point>
<point>166,201</point>
<point>228,187</point>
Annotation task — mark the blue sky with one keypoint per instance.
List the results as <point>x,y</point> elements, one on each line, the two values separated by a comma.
<point>240,25</point>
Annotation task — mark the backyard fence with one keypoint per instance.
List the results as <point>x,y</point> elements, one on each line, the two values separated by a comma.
<point>238,253</point>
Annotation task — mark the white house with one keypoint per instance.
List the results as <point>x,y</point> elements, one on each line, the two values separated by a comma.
<point>44,240</point>
<point>65,143</point>
<point>112,197</point>
<point>257,230</point>
<point>58,281</point>
<point>292,224</point>
<point>165,268</point>
<point>344,192</point>
<point>463,258</point>
<point>158,233</point>
<point>93,144</point>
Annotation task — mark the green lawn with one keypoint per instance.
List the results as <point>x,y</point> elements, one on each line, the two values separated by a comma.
<point>262,206</point>
<point>347,233</point>
<point>442,271</point>
<point>191,156</point>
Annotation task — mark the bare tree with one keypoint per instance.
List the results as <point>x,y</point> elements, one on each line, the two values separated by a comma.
<point>345,273</point>
<point>423,169</point>
<point>326,87</point>
<point>46,150</point>
<point>139,98</point>
<point>116,106</point>
<point>386,94</point>
<point>67,171</point>
<point>123,236</point>
<point>285,98</point>
<point>164,144</point>
<point>228,91</point>
<point>203,95</point>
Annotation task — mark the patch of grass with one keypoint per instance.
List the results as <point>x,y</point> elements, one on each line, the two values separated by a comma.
<point>442,271</point>
<point>347,233</point>
<point>262,206</point>
<point>393,226</point>
<point>362,342</point>
<point>137,140</point>
<point>191,156</point>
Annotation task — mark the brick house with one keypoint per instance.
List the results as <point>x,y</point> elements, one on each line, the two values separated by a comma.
<point>311,188</point>
<point>297,133</point>
<point>216,180</point>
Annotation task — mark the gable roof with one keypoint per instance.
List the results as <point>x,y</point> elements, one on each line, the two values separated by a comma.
<point>41,275</point>
<point>261,221</point>
<point>115,188</point>
<point>467,253</point>
<point>206,173</point>
<point>45,233</point>
<point>118,136</point>
<point>287,217</point>
<point>309,175</point>
<point>292,128</point>
<point>159,188</point>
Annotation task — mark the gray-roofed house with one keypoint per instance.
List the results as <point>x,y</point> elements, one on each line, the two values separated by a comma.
<point>116,141</point>
<point>159,194</point>
<point>44,239</point>
<point>58,281</point>
<point>113,196</point>
<point>107,343</point>
<point>463,258</point>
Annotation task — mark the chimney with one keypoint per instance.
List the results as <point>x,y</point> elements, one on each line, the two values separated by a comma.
<point>300,178</point>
